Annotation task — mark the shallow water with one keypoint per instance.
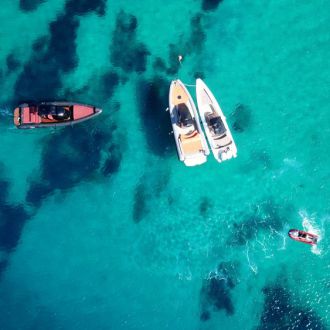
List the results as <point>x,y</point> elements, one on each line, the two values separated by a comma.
<point>101,227</point>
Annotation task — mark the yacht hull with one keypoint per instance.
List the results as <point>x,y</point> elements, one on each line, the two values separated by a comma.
<point>220,138</point>
<point>190,141</point>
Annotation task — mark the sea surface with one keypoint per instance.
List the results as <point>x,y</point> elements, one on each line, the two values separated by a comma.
<point>101,227</point>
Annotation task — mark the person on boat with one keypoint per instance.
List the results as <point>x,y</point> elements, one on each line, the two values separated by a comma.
<point>61,113</point>
<point>307,237</point>
<point>302,235</point>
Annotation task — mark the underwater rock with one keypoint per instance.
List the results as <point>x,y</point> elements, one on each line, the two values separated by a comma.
<point>64,29</point>
<point>75,159</point>
<point>12,220</point>
<point>81,7</point>
<point>139,207</point>
<point>82,94</point>
<point>48,61</point>
<point>197,35</point>
<point>113,161</point>
<point>161,181</point>
<point>54,54</point>
<point>210,4</point>
<point>40,44</point>
<point>265,216</point>
<point>149,189</point>
<point>12,63</point>
<point>115,106</point>
<point>3,266</point>
<point>279,312</point>
<point>109,82</point>
<point>199,74</point>
<point>126,52</point>
<point>37,192</point>
<point>174,64</point>
<point>159,65</point>
<point>4,186</point>
<point>241,118</point>
<point>30,5</point>
<point>191,44</point>
<point>153,100</point>
<point>205,316</point>
<point>215,293</point>
<point>243,232</point>
<point>263,158</point>
<point>170,200</point>
<point>204,206</point>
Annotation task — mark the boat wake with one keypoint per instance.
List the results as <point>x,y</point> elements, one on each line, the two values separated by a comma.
<point>309,224</point>
<point>252,265</point>
<point>283,234</point>
<point>6,112</point>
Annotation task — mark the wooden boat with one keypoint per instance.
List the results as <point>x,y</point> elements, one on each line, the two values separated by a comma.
<point>189,137</point>
<point>52,114</point>
<point>215,125</point>
<point>303,236</point>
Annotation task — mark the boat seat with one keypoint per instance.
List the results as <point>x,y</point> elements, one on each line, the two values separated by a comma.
<point>218,137</point>
<point>188,131</point>
<point>224,142</point>
<point>191,144</point>
<point>30,115</point>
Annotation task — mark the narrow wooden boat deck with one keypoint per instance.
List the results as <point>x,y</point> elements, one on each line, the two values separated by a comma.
<point>179,95</point>
<point>191,144</point>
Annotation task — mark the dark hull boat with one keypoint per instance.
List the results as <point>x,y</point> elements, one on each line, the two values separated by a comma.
<point>52,114</point>
<point>303,236</point>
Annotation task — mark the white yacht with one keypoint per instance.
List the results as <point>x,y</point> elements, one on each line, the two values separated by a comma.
<point>217,131</point>
<point>189,137</point>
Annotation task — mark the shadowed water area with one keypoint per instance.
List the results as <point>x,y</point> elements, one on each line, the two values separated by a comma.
<point>101,227</point>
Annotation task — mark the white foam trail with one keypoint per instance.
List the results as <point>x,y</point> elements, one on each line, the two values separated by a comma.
<point>284,236</point>
<point>217,275</point>
<point>253,266</point>
<point>292,162</point>
<point>6,112</point>
<point>185,276</point>
<point>309,224</point>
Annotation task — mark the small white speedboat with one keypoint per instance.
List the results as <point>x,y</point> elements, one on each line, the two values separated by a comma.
<point>189,137</point>
<point>217,131</point>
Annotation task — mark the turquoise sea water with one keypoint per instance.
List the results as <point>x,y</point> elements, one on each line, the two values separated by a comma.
<point>101,227</point>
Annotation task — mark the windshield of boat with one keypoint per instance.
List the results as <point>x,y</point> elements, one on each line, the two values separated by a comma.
<point>217,126</point>
<point>184,116</point>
